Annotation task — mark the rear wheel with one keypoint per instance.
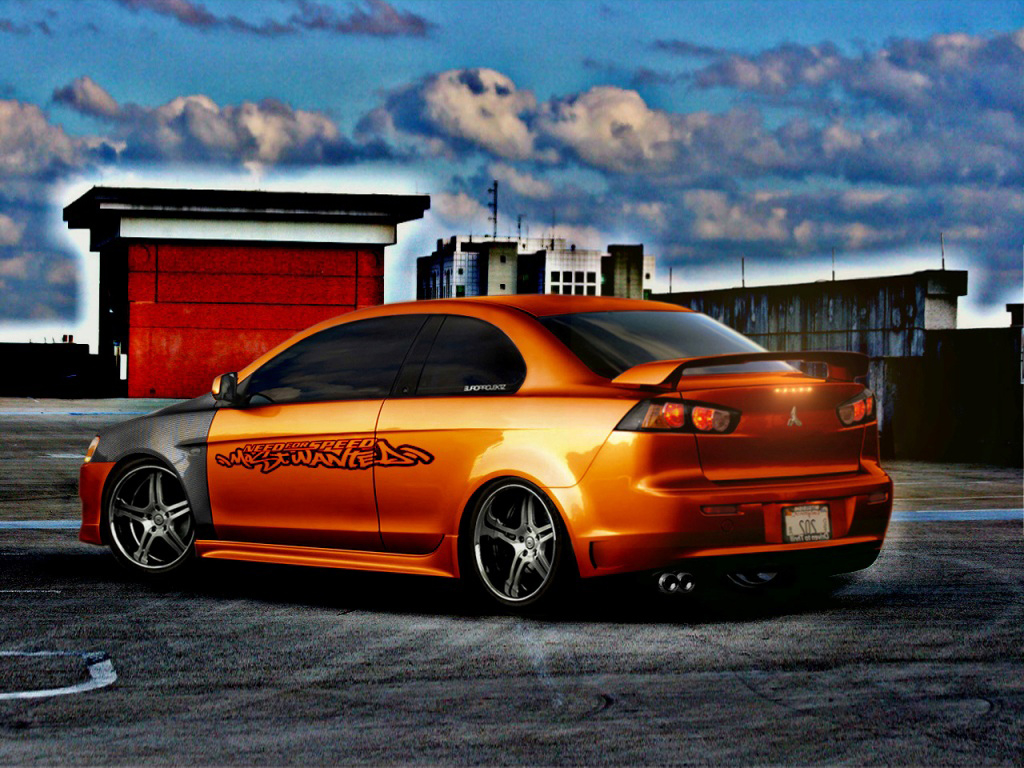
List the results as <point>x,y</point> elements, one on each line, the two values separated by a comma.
<point>149,521</point>
<point>518,546</point>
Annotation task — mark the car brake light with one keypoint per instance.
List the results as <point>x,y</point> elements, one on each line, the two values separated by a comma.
<point>857,410</point>
<point>681,416</point>
<point>707,419</point>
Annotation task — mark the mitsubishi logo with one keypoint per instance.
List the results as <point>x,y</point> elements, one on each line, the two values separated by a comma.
<point>793,420</point>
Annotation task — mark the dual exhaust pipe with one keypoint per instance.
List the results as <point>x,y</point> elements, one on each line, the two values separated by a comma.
<point>676,582</point>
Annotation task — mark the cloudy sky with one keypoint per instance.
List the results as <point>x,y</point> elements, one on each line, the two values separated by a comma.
<point>709,131</point>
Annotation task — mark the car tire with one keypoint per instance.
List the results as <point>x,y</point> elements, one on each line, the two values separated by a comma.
<point>517,552</point>
<point>148,520</point>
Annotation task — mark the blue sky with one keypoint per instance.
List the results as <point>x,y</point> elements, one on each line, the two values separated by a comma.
<point>709,131</point>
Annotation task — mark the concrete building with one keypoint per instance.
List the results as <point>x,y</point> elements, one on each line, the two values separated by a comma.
<point>462,266</point>
<point>198,282</point>
<point>943,393</point>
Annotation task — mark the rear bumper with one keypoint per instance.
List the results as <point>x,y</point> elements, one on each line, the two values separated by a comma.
<point>91,479</point>
<point>642,526</point>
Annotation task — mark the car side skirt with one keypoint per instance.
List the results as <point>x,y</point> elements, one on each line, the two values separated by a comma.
<point>440,562</point>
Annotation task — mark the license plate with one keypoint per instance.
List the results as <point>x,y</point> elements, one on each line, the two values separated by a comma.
<point>806,522</point>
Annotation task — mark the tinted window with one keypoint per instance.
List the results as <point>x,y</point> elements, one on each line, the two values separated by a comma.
<point>612,342</point>
<point>470,356</point>
<point>347,362</point>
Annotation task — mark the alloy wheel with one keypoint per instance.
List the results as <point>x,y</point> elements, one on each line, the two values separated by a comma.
<point>150,520</point>
<point>515,543</point>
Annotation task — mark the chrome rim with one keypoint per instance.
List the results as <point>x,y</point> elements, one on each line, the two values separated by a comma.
<point>752,578</point>
<point>150,519</point>
<point>514,543</point>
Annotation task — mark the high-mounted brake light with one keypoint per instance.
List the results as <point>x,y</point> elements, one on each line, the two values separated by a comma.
<point>679,416</point>
<point>857,410</point>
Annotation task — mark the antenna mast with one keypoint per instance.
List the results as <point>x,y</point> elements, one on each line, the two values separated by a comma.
<point>493,205</point>
<point>743,272</point>
<point>942,248</point>
<point>833,264</point>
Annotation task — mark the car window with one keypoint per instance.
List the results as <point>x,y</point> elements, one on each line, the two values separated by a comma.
<point>612,342</point>
<point>471,357</point>
<point>347,362</point>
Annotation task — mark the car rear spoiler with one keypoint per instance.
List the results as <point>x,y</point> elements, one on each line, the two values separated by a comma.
<point>842,366</point>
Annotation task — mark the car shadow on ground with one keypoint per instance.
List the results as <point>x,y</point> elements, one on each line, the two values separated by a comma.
<point>612,600</point>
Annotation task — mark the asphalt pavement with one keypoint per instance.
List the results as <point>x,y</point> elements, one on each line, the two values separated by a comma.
<point>917,660</point>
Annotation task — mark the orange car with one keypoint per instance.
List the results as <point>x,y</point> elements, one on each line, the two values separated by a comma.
<point>515,442</point>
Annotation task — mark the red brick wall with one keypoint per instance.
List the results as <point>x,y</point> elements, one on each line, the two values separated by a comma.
<point>199,310</point>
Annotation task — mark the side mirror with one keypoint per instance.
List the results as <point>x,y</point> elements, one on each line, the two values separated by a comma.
<point>225,388</point>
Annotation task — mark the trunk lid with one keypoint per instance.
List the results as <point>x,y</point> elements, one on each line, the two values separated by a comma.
<point>788,427</point>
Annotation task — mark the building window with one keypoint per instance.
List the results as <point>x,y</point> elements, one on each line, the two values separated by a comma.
<point>647,276</point>
<point>555,289</point>
<point>591,290</point>
<point>579,277</point>
<point>578,290</point>
<point>591,277</point>
<point>460,270</point>
<point>501,286</point>
<point>502,259</point>
<point>567,277</point>
<point>554,277</point>
<point>460,290</point>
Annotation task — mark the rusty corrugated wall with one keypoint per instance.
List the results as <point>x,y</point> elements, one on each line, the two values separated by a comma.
<point>904,324</point>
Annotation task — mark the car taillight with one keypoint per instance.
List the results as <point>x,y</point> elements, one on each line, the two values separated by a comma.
<point>680,416</point>
<point>857,410</point>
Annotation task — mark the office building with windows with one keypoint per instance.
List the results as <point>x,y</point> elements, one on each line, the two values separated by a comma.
<point>462,266</point>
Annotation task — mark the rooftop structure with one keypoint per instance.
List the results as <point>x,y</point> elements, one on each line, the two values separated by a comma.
<point>461,266</point>
<point>196,282</point>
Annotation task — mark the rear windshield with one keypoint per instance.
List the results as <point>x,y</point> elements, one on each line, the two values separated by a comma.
<point>612,342</point>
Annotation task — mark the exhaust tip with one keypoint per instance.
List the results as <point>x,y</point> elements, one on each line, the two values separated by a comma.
<point>676,582</point>
<point>668,583</point>
<point>686,582</point>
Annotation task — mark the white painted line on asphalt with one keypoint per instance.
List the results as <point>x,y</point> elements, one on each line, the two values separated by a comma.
<point>39,525</point>
<point>101,674</point>
<point>27,591</point>
<point>954,498</point>
<point>65,456</point>
<point>107,413</point>
<point>939,515</point>
<point>74,413</point>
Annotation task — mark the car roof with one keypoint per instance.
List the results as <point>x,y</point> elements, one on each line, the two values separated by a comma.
<point>541,305</point>
<point>535,305</point>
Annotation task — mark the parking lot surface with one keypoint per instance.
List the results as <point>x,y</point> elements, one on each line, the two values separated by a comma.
<point>917,660</point>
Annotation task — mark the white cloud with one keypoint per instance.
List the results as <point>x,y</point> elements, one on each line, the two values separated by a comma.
<point>483,107</point>
<point>16,266</point>
<point>611,128</point>
<point>717,217</point>
<point>10,230</point>
<point>30,144</point>
<point>521,183</point>
<point>458,210</point>
<point>195,128</point>
<point>87,96</point>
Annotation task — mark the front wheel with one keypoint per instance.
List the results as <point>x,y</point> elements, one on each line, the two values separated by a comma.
<point>518,546</point>
<point>149,521</point>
